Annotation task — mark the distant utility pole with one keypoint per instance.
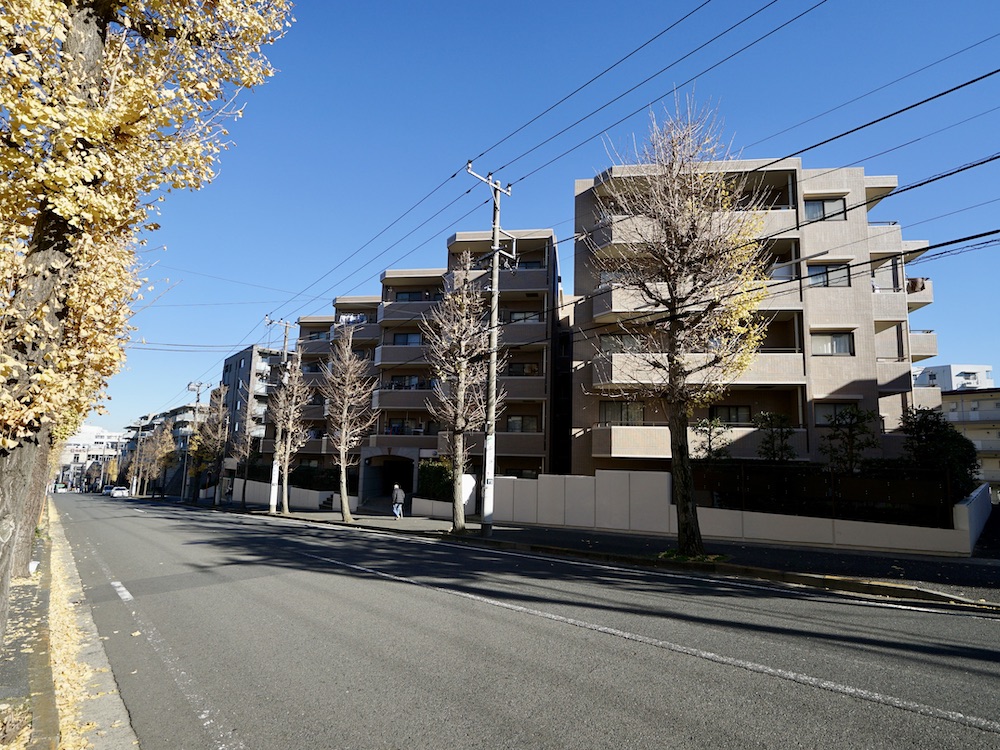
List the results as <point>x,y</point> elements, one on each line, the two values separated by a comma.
<point>489,444</point>
<point>272,499</point>
<point>196,387</point>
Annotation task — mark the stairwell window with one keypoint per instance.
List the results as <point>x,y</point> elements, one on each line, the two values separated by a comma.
<point>833,344</point>
<point>826,209</point>
<point>829,275</point>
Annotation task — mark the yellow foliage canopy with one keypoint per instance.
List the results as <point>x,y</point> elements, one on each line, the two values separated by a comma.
<point>104,105</point>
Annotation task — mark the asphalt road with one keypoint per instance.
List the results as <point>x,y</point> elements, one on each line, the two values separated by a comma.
<point>228,631</point>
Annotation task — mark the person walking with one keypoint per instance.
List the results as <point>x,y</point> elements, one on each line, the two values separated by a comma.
<point>398,496</point>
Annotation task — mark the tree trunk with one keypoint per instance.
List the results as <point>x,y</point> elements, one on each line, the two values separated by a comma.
<point>457,471</point>
<point>286,459</point>
<point>688,532</point>
<point>16,469</point>
<point>246,475</point>
<point>34,500</point>
<point>345,501</point>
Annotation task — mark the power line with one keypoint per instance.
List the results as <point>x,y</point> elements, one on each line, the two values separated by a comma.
<point>872,91</point>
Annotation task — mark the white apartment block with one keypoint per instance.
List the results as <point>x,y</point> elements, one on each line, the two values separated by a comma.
<point>838,309</point>
<point>976,414</point>
<point>954,377</point>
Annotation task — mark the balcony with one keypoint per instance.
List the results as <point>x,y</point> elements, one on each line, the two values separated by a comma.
<point>919,293</point>
<point>990,475</point>
<point>615,303</point>
<point>523,388</point>
<point>392,354</point>
<point>884,240</point>
<point>314,347</point>
<point>624,370</point>
<point>775,367</point>
<point>653,441</point>
<point>987,446</point>
<point>507,443</point>
<point>623,231</point>
<point>630,441</point>
<point>397,313</point>
<point>889,307</point>
<point>777,221</point>
<point>894,375</point>
<point>401,398</point>
<point>425,442</point>
<point>314,413</point>
<point>524,280</point>
<point>367,331</point>
<point>976,415</point>
<point>523,334</point>
<point>923,345</point>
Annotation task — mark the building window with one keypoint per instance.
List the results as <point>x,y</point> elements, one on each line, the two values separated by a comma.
<point>522,369</point>
<point>406,339</point>
<point>522,423</point>
<point>618,343</point>
<point>826,411</point>
<point>826,209</point>
<point>527,265</point>
<point>525,316</point>
<point>735,415</point>
<point>833,344</point>
<point>622,412</point>
<point>412,296</point>
<point>404,382</point>
<point>830,275</point>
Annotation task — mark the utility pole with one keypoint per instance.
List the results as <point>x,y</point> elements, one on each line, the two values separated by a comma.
<point>489,443</point>
<point>272,500</point>
<point>196,387</point>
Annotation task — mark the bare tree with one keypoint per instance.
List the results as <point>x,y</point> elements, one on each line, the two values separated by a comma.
<point>349,414</point>
<point>286,405</point>
<point>208,444</point>
<point>241,446</point>
<point>694,261</point>
<point>457,339</point>
<point>161,448</point>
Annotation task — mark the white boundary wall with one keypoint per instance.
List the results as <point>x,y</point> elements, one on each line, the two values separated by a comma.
<point>639,502</point>
<point>258,493</point>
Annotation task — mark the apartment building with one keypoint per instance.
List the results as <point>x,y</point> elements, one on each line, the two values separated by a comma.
<point>91,452</point>
<point>837,309</point>
<point>388,331</point>
<point>976,414</point>
<point>246,376</point>
<point>954,377</point>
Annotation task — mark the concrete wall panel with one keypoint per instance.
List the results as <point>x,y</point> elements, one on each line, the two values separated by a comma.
<point>612,498</point>
<point>552,500</point>
<point>649,501</point>
<point>581,507</point>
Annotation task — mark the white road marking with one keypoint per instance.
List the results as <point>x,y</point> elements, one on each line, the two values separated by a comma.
<point>123,593</point>
<point>784,674</point>
<point>203,709</point>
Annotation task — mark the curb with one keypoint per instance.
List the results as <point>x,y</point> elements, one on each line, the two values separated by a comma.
<point>44,713</point>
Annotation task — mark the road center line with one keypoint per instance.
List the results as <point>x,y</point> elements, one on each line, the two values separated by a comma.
<point>784,674</point>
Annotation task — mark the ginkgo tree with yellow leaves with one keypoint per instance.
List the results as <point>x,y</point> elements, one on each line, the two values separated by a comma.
<point>696,267</point>
<point>104,106</point>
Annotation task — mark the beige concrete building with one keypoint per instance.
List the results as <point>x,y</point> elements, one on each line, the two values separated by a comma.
<point>976,414</point>
<point>838,307</point>
<point>390,331</point>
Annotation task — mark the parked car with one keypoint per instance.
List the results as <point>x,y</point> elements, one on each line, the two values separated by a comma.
<point>107,489</point>
<point>119,492</point>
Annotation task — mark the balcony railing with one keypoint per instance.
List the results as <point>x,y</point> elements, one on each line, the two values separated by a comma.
<point>973,415</point>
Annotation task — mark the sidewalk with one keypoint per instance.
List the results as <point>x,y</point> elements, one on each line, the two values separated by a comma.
<point>922,577</point>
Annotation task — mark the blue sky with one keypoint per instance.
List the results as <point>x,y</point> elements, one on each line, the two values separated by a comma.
<point>377,104</point>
